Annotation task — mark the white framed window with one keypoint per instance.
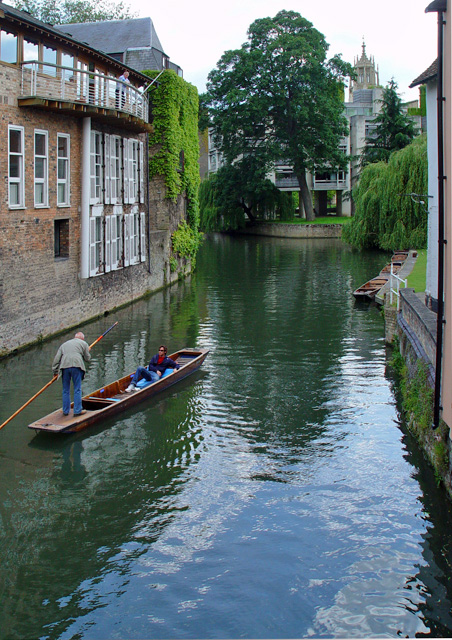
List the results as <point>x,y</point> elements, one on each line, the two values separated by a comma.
<point>96,168</point>
<point>133,170</point>
<point>107,168</point>
<point>63,170</point>
<point>16,176</point>
<point>96,253</point>
<point>116,240</point>
<point>134,238</point>
<point>125,169</point>
<point>41,168</point>
<point>142,236</point>
<point>115,169</point>
<point>142,172</point>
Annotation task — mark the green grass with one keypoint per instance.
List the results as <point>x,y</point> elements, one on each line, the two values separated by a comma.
<point>324,220</point>
<point>417,278</point>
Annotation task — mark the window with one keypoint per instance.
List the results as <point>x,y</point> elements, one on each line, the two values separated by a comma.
<point>49,57</point>
<point>116,241</point>
<point>134,238</point>
<point>31,50</point>
<point>96,167</point>
<point>61,235</point>
<point>133,170</point>
<point>115,169</point>
<point>16,180</point>
<point>96,257</point>
<point>41,169</point>
<point>63,170</point>
<point>8,47</point>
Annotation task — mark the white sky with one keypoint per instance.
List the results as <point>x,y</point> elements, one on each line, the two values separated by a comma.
<point>398,33</point>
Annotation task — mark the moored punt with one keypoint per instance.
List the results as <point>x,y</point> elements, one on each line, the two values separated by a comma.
<point>112,398</point>
<point>370,288</point>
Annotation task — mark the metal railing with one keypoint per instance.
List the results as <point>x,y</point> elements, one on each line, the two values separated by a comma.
<point>54,82</point>
<point>398,282</point>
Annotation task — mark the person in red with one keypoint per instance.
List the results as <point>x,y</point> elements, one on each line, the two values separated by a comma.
<point>156,368</point>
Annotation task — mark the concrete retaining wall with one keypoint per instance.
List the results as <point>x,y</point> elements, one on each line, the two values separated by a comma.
<point>282,230</point>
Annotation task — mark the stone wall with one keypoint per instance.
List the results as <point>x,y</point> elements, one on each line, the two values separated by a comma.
<point>286,230</point>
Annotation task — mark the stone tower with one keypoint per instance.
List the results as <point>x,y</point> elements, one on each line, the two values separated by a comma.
<point>366,73</point>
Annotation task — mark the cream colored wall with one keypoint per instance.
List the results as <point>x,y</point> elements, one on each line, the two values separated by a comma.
<point>447,344</point>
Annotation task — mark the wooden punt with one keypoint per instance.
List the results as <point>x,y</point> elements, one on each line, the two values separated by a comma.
<point>112,398</point>
<point>370,288</point>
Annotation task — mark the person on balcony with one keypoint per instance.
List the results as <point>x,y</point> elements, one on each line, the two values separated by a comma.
<point>121,90</point>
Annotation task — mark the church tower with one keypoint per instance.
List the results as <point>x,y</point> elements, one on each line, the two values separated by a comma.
<point>366,74</point>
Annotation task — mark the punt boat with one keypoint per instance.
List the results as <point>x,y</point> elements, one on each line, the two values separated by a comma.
<point>112,398</point>
<point>370,288</point>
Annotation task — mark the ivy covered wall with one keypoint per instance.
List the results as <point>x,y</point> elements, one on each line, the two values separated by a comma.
<point>174,156</point>
<point>174,147</point>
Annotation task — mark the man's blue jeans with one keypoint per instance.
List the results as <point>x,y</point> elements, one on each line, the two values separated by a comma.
<point>142,372</point>
<point>76,375</point>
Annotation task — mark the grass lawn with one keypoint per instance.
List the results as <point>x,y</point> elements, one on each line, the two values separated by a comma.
<point>324,220</point>
<point>417,278</point>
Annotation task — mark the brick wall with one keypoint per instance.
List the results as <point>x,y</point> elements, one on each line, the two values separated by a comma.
<point>41,295</point>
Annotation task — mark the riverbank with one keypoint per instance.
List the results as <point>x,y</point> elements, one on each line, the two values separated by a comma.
<point>410,327</point>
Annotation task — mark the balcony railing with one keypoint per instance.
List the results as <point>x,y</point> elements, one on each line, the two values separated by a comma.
<point>79,86</point>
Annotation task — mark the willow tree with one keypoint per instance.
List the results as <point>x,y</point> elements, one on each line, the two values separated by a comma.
<point>278,97</point>
<point>388,214</point>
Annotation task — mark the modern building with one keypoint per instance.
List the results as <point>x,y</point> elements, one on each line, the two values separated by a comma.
<point>77,234</point>
<point>133,42</point>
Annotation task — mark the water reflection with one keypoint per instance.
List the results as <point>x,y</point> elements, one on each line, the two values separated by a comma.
<point>272,494</point>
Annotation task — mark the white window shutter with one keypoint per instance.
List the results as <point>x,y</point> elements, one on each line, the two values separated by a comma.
<point>126,169</point>
<point>108,253</point>
<point>142,169</point>
<point>92,247</point>
<point>107,164</point>
<point>126,239</point>
<point>113,243</point>
<point>142,236</point>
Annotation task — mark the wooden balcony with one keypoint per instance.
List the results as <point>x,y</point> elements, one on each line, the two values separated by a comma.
<point>81,93</point>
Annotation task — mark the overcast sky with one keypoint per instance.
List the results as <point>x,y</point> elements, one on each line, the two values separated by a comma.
<point>398,33</point>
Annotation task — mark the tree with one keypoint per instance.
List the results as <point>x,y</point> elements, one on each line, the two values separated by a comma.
<point>278,97</point>
<point>75,11</point>
<point>387,215</point>
<point>394,129</point>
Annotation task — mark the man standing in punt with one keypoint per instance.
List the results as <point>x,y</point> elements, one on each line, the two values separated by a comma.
<point>69,363</point>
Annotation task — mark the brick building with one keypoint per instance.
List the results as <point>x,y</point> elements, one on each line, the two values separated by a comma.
<point>77,237</point>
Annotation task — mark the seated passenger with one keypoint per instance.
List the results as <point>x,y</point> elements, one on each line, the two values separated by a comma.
<point>157,367</point>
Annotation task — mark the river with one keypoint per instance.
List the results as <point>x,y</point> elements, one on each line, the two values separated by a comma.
<point>273,494</point>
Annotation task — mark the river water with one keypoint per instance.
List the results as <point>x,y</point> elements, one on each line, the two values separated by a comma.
<point>273,494</point>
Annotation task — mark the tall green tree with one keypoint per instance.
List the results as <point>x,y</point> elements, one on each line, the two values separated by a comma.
<point>75,11</point>
<point>394,129</point>
<point>278,97</point>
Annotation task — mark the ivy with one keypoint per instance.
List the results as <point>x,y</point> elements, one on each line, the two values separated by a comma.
<point>173,145</point>
<point>186,242</point>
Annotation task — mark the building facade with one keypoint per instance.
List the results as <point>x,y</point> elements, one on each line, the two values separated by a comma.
<point>77,238</point>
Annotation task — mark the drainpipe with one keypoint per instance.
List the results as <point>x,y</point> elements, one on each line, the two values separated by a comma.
<point>439,6</point>
<point>84,217</point>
